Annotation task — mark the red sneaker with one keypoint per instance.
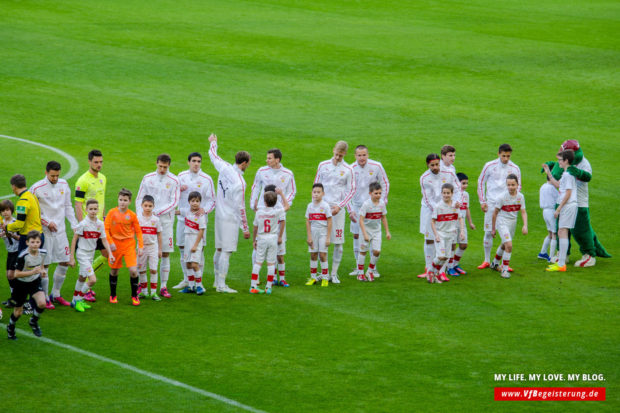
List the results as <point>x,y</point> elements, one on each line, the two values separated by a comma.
<point>164,293</point>
<point>510,269</point>
<point>60,300</point>
<point>49,305</point>
<point>360,277</point>
<point>443,277</point>
<point>484,265</point>
<point>424,274</point>
<point>90,297</point>
<point>113,300</point>
<point>135,301</point>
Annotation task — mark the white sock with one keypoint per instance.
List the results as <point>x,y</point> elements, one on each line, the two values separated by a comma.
<point>85,287</point>
<point>222,266</point>
<point>253,256</point>
<point>545,245</point>
<point>563,251</point>
<point>216,261</point>
<point>60,273</point>
<point>429,254</point>
<point>165,271</point>
<point>324,270</point>
<point>356,247</point>
<point>271,270</point>
<point>498,255</point>
<point>143,278</point>
<point>506,260</point>
<point>183,265</point>
<point>282,271</point>
<point>78,289</point>
<point>45,284</point>
<point>458,255</point>
<point>488,246</point>
<point>336,258</point>
<point>361,261</point>
<point>255,271</point>
<point>153,283</point>
<point>552,246</point>
<point>191,278</point>
<point>372,266</point>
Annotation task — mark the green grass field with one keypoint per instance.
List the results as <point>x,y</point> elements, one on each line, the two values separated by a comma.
<point>136,78</point>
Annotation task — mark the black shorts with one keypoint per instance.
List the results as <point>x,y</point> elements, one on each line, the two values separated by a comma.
<point>11,259</point>
<point>100,246</point>
<point>21,290</point>
<point>22,242</point>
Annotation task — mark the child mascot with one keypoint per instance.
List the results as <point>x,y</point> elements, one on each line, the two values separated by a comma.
<point>583,233</point>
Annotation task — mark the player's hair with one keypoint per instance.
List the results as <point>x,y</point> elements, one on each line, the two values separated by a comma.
<point>270,198</point>
<point>341,146</point>
<point>52,166</point>
<point>318,185</point>
<point>194,195</point>
<point>513,176</point>
<point>241,157</point>
<point>448,186</point>
<point>7,204</point>
<point>431,157</point>
<point>504,147</point>
<point>164,158</point>
<point>125,192</point>
<point>93,153</point>
<point>374,186</point>
<point>33,235</point>
<point>361,147</point>
<point>270,188</point>
<point>277,153</point>
<point>18,181</point>
<point>446,149</point>
<point>148,198</point>
<point>91,201</point>
<point>194,155</point>
<point>461,176</point>
<point>568,155</point>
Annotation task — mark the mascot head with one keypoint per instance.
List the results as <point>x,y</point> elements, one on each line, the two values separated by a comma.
<point>573,145</point>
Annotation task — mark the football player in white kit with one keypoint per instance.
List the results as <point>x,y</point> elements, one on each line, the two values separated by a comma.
<point>54,195</point>
<point>230,212</point>
<point>339,184</point>
<point>274,174</point>
<point>164,187</point>
<point>493,177</point>
<point>193,180</point>
<point>365,171</point>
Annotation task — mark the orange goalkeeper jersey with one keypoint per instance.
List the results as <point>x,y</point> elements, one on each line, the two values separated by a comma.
<point>122,226</point>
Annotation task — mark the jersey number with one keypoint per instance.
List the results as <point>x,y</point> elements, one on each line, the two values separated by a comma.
<point>338,233</point>
<point>267,225</point>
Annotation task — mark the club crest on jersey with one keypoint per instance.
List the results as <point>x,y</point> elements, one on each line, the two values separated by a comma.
<point>341,173</point>
<point>167,186</point>
<point>282,179</point>
<point>370,173</point>
<point>199,185</point>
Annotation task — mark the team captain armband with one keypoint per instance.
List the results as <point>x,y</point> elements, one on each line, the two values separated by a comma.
<point>79,194</point>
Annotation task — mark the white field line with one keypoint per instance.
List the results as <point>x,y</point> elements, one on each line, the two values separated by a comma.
<point>137,370</point>
<point>73,164</point>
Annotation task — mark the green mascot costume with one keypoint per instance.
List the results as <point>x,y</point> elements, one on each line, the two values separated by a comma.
<point>583,233</point>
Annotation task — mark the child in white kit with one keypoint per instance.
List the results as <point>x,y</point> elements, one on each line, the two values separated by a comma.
<point>195,226</point>
<point>269,224</point>
<point>318,229</point>
<point>567,209</point>
<point>548,200</point>
<point>454,266</point>
<point>445,223</point>
<point>371,216</point>
<point>152,252</point>
<point>504,221</point>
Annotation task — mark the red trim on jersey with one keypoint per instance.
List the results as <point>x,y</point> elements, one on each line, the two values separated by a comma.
<point>91,234</point>
<point>447,217</point>
<point>373,215</point>
<point>191,224</point>
<point>149,230</point>
<point>317,217</point>
<point>511,208</point>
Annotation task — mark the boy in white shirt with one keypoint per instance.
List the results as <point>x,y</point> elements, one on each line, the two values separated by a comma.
<point>151,236</point>
<point>319,230</point>
<point>371,216</point>
<point>504,221</point>
<point>455,269</point>
<point>445,223</point>
<point>269,226</point>
<point>567,209</point>
<point>88,231</point>
<point>195,227</point>
<point>548,201</point>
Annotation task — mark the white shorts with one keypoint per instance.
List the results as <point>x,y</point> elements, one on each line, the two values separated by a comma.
<point>488,217</point>
<point>85,262</point>
<point>150,256</point>
<point>226,234</point>
<point>167,236</point>
<point>375,242</point>
<point>425,223</point>
<point>318,241</point>
<point>282,247</point>
<point>267,249</point>
<point>180,233</point>
<point>354,227</point>
<point>550,220</point>
<point>57,246</point>
<point>338,222</point>
<point>188,255</point>
<point>443,248</point>
<point>506,231</point>
<point>568,216</point>
<point>458,235</point>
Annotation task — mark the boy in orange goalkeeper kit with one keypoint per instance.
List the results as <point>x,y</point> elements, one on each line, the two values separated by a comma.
<point>121,226</point>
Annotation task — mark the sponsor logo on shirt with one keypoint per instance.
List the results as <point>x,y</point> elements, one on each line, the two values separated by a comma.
<point>193,225</point>
<point>21,209</point>
<point>447,217</point>
<point>317,217</point>
<point>373,215</point>
<point>91,234</point>
<point>149,230</point>
<point>511,208</point>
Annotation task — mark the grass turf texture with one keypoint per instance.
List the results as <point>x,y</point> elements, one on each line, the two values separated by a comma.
<point>137,78</point>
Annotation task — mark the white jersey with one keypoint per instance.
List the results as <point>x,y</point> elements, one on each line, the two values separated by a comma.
<point>280,177</point>
<point>568,182</point>
<point>446,219</point>
<point>55,203</point>
<point>494,176</point>
<point>197,182</point>
<point>317,214</point>
<point>338,182</point>
<point>194,223</point>
<point>372,215</point>
<point>548,196</point>
<point>431,184</point>
<point>12,245</point>
<point>90,232</point>
<point>267,219</point>
<point>150,227</point>
<point>509,208</point>
<point>582,186</point>
<point>165,189</point>
<point>230,204</point>
<point>444,167</point>
<point>464,205</point>
<point>371,172</point>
